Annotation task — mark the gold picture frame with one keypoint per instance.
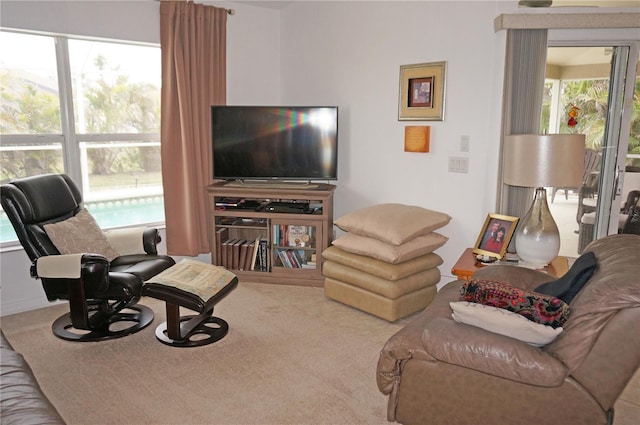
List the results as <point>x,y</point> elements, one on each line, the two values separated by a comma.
<point>422,92</point>
<point>494,246</point>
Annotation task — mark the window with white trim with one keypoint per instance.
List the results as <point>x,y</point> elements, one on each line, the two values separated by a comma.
<point>91,109</point>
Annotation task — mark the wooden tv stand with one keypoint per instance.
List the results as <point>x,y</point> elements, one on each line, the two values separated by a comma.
<point>293,236</point>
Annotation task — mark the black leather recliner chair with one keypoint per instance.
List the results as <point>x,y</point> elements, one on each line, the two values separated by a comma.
<point>102,295</point>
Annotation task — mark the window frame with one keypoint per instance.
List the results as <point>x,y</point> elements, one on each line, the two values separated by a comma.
<point>69,140</point>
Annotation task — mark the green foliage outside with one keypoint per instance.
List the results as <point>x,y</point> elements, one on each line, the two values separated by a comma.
<point>117,106</point>
<point>591,96</point>
<point>26,110</point>
<point>120,107</point>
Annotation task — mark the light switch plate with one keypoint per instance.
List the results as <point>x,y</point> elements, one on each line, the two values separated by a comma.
<point>458,164</point>
<point>464,143</point>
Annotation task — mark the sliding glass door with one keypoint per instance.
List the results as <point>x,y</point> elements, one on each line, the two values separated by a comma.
<point>592,90</point>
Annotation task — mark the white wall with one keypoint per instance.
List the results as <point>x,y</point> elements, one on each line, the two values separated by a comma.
<point>350,53</point>
<point>341,53</point>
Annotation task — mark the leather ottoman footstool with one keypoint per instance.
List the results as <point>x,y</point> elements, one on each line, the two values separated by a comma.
<point>198,287</point>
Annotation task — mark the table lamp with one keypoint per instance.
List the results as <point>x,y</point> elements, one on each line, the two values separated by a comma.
<point>539,161</point>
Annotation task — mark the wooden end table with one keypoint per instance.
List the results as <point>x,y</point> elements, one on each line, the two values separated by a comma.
<point>467,265</point>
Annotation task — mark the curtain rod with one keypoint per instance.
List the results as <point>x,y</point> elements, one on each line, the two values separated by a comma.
<point>229,11</point>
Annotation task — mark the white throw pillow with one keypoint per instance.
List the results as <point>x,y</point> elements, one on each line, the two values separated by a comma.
<point>503,322</point>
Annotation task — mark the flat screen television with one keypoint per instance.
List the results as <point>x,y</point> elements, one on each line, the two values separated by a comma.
<point>275,142</point>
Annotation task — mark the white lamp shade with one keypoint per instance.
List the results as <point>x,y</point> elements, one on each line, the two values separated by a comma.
<point>544,160</point>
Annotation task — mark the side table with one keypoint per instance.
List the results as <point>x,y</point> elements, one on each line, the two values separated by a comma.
<point>467,265</point>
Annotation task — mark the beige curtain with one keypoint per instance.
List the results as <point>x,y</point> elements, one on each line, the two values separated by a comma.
<point>193,44</point>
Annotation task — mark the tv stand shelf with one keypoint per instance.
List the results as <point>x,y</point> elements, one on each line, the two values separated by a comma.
<point>270,185</point>
<point>293,235</point>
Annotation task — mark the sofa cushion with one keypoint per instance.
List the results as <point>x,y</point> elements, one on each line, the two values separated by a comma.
<point>389,253</point>
<point>568,286</point>
<point>612,288</point>
<point>504,322</point>
<point>392,223</point>
<point>80,234</point>
<point>22,401</point>
<point>539,308</point>
<point>478,349</point>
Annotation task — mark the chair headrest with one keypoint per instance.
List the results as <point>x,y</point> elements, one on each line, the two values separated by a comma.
<point>44,197</point>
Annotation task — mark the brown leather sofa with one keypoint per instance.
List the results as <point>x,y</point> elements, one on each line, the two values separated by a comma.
<point>21,399</point>
<point>438,371</point>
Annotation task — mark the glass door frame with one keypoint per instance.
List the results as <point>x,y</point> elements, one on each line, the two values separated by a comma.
<point>618,124</point>
<point>621,91</point>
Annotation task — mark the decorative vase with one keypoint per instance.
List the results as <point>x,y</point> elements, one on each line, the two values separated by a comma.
<point>537,236</point>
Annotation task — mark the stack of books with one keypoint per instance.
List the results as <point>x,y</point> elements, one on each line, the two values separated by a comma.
<point>240,254</point>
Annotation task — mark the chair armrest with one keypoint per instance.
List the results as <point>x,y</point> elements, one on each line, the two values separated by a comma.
<point>520,277</point>
<point>475,348</point>
<point>134,240</point>
<point>64,266</point>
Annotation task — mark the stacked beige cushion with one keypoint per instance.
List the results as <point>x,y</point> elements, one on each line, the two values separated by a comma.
<point>385,264</point>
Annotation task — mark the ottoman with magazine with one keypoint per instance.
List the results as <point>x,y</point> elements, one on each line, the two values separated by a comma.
<point>385,264</point>
<point>196,286</point>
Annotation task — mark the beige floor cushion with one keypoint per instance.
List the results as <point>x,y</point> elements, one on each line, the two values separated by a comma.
<point>380,268</point>
<point>376,304</point>
<point>386,288</point>
<point>392,223</point>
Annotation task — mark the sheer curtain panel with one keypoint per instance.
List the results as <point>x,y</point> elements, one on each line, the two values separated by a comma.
<point>193,44</point>
<point>526,58</point>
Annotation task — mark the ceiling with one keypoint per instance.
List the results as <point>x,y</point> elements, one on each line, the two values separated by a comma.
<point>569,56</point>
<point>587,3</point>
<point>274,4</point>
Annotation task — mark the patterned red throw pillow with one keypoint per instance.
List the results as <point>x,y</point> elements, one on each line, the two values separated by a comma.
<point>540,308</point>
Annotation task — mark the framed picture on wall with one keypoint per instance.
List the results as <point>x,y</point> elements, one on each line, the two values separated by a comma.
<point>422,89</point>
<point>495,235</point>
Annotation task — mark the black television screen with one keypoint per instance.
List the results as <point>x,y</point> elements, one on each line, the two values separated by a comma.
<point>275,142</point>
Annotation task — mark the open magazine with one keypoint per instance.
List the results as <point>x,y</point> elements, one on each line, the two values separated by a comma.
<point>196,277</point>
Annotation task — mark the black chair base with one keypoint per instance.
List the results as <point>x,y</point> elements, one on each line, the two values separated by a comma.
<point>206,331</point>
<point>141,317</point>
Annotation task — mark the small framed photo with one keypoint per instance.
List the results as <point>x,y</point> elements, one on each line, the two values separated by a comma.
<point>422,88</point>
<point>495,235</point>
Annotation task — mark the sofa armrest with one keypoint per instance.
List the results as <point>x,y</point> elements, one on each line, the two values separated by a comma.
<point>134,240</point>
<point>407,342</point>
<point>475,348</point>
<point>520,277</point>
<point>407,345</point>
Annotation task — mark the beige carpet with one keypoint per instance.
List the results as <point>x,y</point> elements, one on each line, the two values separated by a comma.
<point>292,356</point>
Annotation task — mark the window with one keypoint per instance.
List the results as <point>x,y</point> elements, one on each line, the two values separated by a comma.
<point>88,108</point>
